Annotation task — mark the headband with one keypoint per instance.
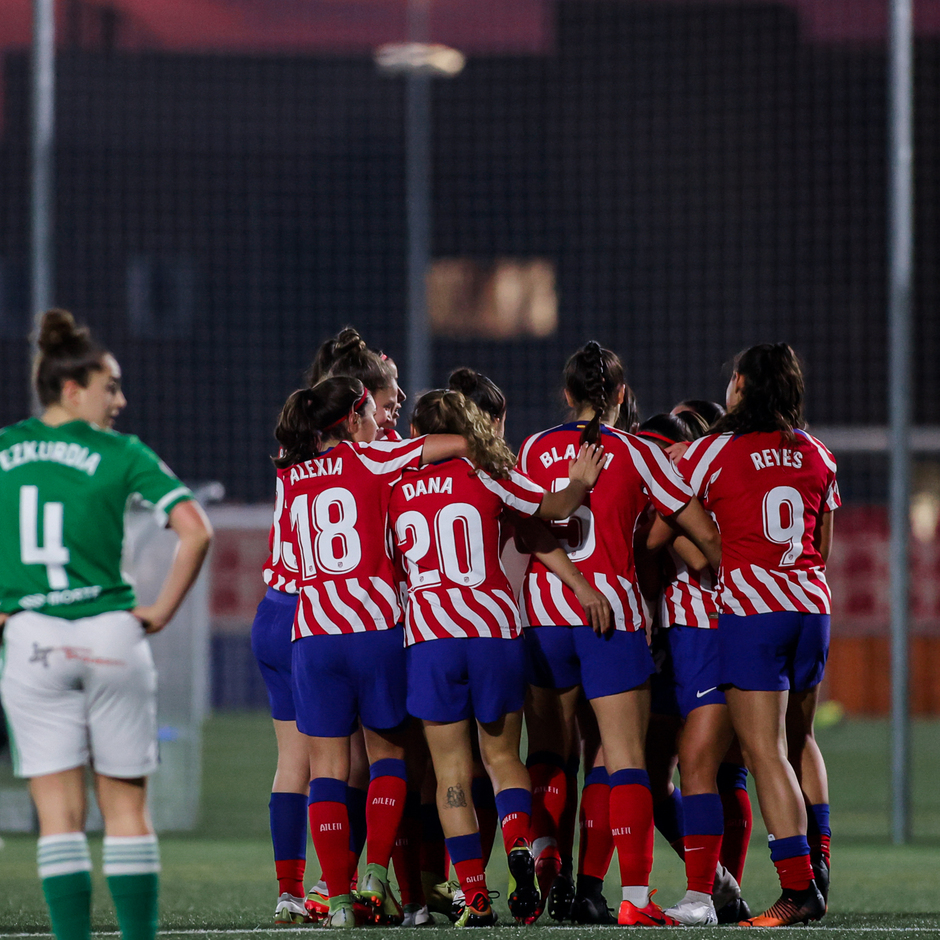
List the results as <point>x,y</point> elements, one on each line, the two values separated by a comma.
<point>658,437</point>
<point>356,407</point>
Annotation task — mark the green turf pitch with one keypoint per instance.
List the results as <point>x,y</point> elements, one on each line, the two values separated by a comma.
<point>219,880</point>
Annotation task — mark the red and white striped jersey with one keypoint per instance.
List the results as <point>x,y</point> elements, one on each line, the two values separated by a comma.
<point>689,598</point>
<point>767,496</point>
<point>281,569</point>
<point>337,504</point>
<point>447,520</point>
<point>598,537</point>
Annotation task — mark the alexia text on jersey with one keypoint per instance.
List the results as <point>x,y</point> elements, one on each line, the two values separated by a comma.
<point>71,455</point>
<point>321,467</point>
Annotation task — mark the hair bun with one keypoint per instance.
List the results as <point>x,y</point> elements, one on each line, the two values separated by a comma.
<point>348,341</point>
<point>58,331</point>
<point>463,380</point>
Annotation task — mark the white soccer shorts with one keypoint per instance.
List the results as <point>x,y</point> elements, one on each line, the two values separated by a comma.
<point>79,692</point>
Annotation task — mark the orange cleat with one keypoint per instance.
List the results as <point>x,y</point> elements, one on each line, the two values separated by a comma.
<point>792,907</point>
<point>650,916</point>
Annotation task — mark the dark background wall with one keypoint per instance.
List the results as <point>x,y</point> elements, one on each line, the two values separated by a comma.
<point>702,177</point>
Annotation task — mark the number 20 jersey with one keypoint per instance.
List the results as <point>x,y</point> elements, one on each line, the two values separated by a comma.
<point>767,496</point>
<point>599,536</point>
<point>447,522</point>
<point>336,507</point>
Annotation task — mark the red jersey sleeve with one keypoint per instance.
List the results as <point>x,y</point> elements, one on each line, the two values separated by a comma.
<point>518,493</point>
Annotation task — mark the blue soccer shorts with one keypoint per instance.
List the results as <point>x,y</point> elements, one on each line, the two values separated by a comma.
<point>454,679</point>
<point>561,657</point>
<point>696,667</point>
<point>339,679</point>
<point>773,652</point>
<point>271,634</point>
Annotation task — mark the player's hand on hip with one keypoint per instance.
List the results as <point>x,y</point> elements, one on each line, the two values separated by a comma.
<point>150,618</point>
<point>587,466</point>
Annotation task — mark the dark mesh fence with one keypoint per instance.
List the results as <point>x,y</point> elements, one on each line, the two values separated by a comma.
<point>700,176</point>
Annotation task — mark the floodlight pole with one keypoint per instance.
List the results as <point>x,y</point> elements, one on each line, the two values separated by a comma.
<point>900,294</point>
<point>418,202</point>
<point>42,157</point>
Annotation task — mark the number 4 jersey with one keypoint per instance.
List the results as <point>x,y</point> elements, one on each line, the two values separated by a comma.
<point>767,496</point>
<point>63,493</point>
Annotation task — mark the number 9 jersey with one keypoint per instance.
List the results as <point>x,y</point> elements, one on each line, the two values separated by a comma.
<point>598,537</point>
<point>767,495</point>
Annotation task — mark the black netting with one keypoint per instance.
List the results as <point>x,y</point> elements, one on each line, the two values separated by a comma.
<point>700,176</point>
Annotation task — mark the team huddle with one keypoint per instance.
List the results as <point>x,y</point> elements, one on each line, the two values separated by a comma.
<point>674,608</point>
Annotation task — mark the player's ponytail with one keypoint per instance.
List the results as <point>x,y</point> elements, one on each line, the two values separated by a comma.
<point>443,411</point>
<point>772,392</point>
<point>309,412</point>
<point>66,351</point>
<point>593,375</point>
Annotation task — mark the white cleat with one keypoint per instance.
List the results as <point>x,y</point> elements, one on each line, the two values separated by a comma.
<point>694,910</point>
<point>290,911</point>
<point>724,889</point>
<point>416,916</point>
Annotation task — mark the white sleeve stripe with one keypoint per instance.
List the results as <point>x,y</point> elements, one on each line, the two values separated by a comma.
<point>524,453</point>
<point>394,465</point>
<point>702,467</point>
<point>516,501</point>
<point>165,501</point>
<point>656,489</point>
<point>823,452</point>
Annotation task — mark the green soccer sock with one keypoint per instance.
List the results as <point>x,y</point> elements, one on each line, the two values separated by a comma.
<point>65,871</point>
<point>132,866</point>
<point>135,900</point>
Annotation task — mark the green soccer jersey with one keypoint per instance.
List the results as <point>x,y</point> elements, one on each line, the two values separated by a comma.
<point>63,495</point>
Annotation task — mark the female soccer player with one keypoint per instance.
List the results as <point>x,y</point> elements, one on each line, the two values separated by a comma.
<point>772,489</point>
<point>685,641</point>
<point>78,681</point>
<point>613,671</point>
<point>348,655</point>
<point>465,656</point>
<point>345,354</point>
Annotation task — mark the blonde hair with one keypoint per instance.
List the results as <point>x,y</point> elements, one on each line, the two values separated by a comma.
<point>443,411</point>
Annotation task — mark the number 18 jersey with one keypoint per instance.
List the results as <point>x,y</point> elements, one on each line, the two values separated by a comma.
<point>598,537</point>
<point>767,496</point>
<point>337,505</point>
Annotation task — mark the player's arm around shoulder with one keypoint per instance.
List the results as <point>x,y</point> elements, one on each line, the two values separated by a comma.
<point>190,523</point>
